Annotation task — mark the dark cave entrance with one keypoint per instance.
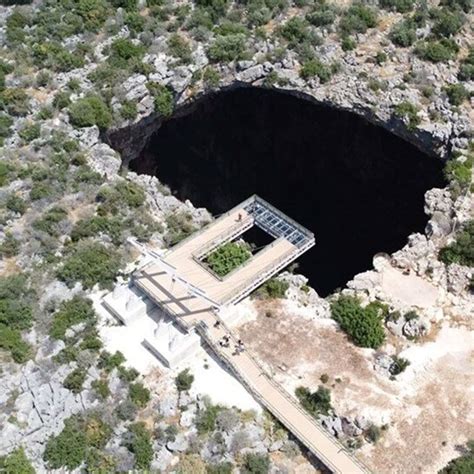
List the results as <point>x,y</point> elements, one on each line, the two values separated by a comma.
<point>358,187</point>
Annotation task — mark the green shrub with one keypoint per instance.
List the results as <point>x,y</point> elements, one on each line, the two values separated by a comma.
<point>313,68</point>
<point>228,257</point>
<point>316,403</point>
<point>180,225</point>
<point>108,361</point>
<point>466,70</point>
<point>205,420</point>
<point>75,380</point>
<point>363,325</point>
<point>90,111</point>
<point>459,172</point>
<point>399,365</point>
<point>357,19</point>
<point>139,443</point>
<point>71,447</point>
<point>456,93</point>
<point>348,43</point>
<point>74,311</point>
<point>373,434</point>
<point>90,263</point>
<point>162,97</point>
<point>93,12</point>
<point>254,463</point>
<point>273,288</point>
<point>128,110</point>
<point>16,299</point>
<point>101,387</point>
<point>10,246</point>
<point>295,31</point>
<point>407,112</point>
<point>179,48</point>
<point>16,204</point>
<point>40,191</point>
<point>131,193</point>
<point>15,101</point>
<point>227,48</point>
<point>5,128</point>
<point>447,23</point>
<point>16,462</point>
<point>461,251</point>
<point>127,374</point>
<point>184,380</point>
<point>323,14</point>
<point>11,340</point>
<point>437,51</point>
<point>210,77</point>
<point>403,33</point>
<point>401,6</point>
<point>124,49</point>
<point>139,394</point>
<point>50,221</point>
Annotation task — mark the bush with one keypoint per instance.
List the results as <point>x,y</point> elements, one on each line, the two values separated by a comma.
<point>16,204</point>
<point>323,14</point>
<point>180,225</point>
<point>254,463</point>
<point>14,101</point>
<point>272,288</point>
<point>373,434</point>
<point>50,221</point>
<point>461,251</point>
<point>399,364</point>
<point>447,23</point>
<point>16,462</point>
<point>127,410</point>
<point>128,110</point>
<point>316,403</point>
<point>130,192</point>
<point>408,112</point>
<point>459,172</point>
<point>228,257</point>
<point>10,246</point>
<point>466,70</point>
<point>90,263</point>
<point>363,325</point>
<point>205,420</point>
<point>108,361</point>
<point>456,93</point>
<point>184,380</point>
<point>227,48</point>
<point>437,51</point>
<point>124,49</point>
<point>403,33</point>
<point>313,68</point>
<point>90,111</point>
<point>357,19</point>
<point>179,47</point>
<point>139,394</point>
<point>295,31</point>
<point>16,302</point>
<point>30,132</point>
<point>163,98</point>
<point>11,340</point>
<point>5,128</point>
<point>96,225</point>
<point>401,6</point>
<point>139,443</point>
<point>74,311</point>
<point>75,380</point>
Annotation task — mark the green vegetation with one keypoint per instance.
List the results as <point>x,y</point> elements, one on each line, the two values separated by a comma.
<point>272,288</point>
<point>466,70</point>
<point>403,33</point>
<point>108,361</point>
<point>363,325</point>
<point>80,436</point>
<point>401,6</point>
<point>16,204</point>
<point>89,111</point>
<point>407,112</point>
<point>163,98</point>
<point>463,464</point>
<point>75,380</point>
<point>316,403</point>
<point>437,50</point>
<point>10,246</point>
<point>128,110</point>
<point>456,93</point>
<point>254,463</point>
<point>179,48</point>
<point>227,48</point>
<point>205,420</point>
<point>399,365</point>
<point>101,388</point>
<point>138,442</point>
<point>357,19</point>
<point>16,314</point>
<point>313,68</point>
<point>71,312</point>
<point>16,462</point>
<point>373,434</point>
<point>461,251</point>
<point>30,132</point>
<point>180,225</point>
<point>139,394</point>
<point>459,171</point>
<point>90,263</point>
<point>228,257</point>
<point>184,380</point>
<point>50,221</point>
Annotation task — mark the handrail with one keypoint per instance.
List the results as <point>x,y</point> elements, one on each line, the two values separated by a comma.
<point>223,237</point>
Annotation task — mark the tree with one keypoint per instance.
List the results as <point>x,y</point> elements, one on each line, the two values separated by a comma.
<point>139,394</point>
<point>463,464</point>
<point>227,48</point>
<point>363,325</point>
<point>138,441</point>
<point>255,464</point>
<point>315,402</point>
<point>184,380</point>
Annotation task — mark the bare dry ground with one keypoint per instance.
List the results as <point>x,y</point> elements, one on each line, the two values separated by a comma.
<point>428,409</point>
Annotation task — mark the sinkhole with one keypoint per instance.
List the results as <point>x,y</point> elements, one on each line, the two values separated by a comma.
<point>357,186</point>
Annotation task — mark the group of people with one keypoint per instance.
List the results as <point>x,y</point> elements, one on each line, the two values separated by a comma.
<point>225,341</point>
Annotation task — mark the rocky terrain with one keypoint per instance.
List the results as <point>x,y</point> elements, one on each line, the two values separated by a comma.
<point>76,74</point>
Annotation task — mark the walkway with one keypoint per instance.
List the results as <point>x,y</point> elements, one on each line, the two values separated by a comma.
<point>180,284</point>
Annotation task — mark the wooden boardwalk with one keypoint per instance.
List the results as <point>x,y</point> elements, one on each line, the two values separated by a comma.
<point>169,281</point>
